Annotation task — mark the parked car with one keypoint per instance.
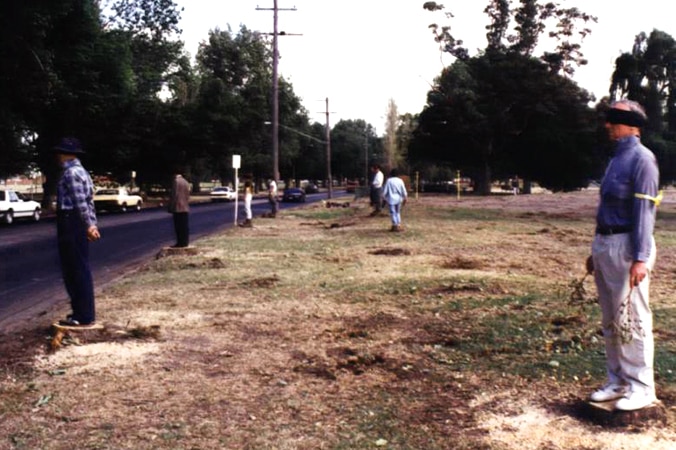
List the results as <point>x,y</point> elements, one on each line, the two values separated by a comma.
<point>13,205</point>
<point>223,194</point>
<point>293,194</point>
<point>311,188</point>
<point>351,186</point>
<point>116,199</point>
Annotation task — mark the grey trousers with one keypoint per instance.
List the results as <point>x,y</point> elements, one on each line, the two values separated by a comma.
<point>627,326</point>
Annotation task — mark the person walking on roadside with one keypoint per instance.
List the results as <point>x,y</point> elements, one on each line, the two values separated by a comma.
<point>76,226</point>
<point>179,207</point>
<point>376,189</point>
<point>273,197</point>
<point>248,198</point>
<point>395,195</point>
<point>622,260</point>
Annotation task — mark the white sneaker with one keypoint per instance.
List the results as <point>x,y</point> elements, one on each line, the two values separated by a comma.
<point>635,400</point>
<point>611,391</point>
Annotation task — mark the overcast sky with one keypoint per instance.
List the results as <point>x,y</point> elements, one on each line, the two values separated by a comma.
<point>361,53</point>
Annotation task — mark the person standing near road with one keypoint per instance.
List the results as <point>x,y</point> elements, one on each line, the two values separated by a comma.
<point>273,197</point>
<point>248,198</point>
<point>622,260</point>
<point>394,193</point>
<point>76,226</point>
<point>376,189</point>
<point>179,207</point>
<point>515,185</point>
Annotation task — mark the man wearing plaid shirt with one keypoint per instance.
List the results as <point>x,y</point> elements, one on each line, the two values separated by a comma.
<point>76,227</point>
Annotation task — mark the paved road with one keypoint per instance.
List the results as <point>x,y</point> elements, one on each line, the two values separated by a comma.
<point>30,275</point>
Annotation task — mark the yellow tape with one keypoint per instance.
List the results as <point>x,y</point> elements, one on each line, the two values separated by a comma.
<point>656,200</point>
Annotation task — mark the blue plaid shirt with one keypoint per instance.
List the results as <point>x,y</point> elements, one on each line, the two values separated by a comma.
<point>75,192</point>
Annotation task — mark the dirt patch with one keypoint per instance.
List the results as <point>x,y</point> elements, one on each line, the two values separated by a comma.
<point>391,251</point>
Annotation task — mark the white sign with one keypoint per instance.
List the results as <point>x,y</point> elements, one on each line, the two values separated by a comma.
<point>236,161</point>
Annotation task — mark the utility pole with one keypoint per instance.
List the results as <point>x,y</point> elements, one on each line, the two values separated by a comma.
<point>275,88</point>
<point>366,154</point>
<point>328,151</point>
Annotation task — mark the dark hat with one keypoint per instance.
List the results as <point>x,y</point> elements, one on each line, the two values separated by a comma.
<point>70,146</point>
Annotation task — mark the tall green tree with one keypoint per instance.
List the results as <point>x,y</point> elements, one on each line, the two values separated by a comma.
<point>647,74</point>
<point>394,153</point>
<point>485,113</point>
<point>233,99</point>
<point>70,68</point>
<point>234,107</point>
<point>47,60</point>
<point>354,146</point>
<point>149,29</point>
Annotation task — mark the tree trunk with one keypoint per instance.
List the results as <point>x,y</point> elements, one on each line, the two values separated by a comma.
<point>484,184</point>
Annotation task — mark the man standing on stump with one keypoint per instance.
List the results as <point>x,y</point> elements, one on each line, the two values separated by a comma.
<point>376,189</point>
<point>623,256</point>
<point>273,197</point>
<point>179,207</point>
<point>76,226</point>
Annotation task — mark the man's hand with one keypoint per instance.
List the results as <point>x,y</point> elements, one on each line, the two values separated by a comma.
<point>93,233</point>
<point>637,273</point>
<point>590,264</point>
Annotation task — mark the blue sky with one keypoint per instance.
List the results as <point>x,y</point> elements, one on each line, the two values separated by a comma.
<point>362,53</point>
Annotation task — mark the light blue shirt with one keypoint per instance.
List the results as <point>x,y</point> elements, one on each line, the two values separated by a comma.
<point>632,170</point>
<point>394,191</point>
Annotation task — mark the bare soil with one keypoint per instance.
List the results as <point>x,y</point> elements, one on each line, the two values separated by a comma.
<point>321,329</point>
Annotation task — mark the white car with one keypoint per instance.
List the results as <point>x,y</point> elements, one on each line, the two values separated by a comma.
<point>223,194</point>
<point>116,199</point>
<point>13,205</point>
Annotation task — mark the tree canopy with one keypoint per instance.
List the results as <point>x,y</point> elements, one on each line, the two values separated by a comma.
<point>114,74</point>
<point>647,74</point>
<point>505,112</point>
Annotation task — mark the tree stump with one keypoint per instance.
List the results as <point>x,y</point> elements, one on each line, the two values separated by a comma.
<point>172,251</point>
<point>59,332</point>
<point>605,414</point>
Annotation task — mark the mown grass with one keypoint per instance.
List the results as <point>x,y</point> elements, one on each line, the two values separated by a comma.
<point>321,329</point>
<point>536,335</point>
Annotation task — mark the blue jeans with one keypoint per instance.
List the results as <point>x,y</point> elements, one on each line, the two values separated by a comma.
<point>395,213</point>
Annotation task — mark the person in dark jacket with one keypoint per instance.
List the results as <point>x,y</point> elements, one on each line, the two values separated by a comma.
<point>179,207</point>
